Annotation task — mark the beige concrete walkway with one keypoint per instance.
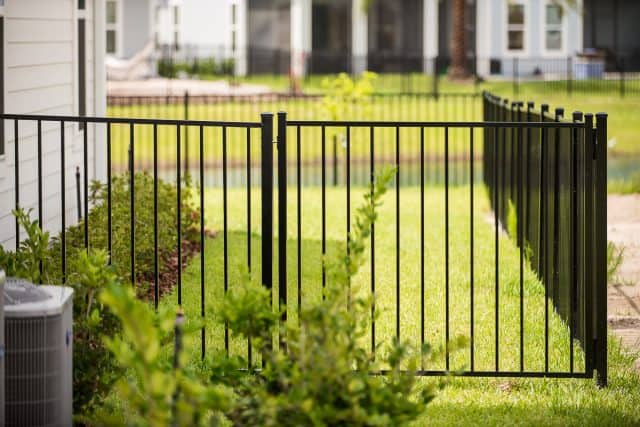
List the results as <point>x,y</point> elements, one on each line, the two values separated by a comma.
<point>623,218</point>
<point>177,87</point>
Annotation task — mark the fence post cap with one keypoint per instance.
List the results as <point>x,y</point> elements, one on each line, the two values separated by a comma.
<point>560,111</point>
<point>544,107</point>
<point>601,115</point>
<point>577,115</point>
<point>530,104</point>
<point>264,115</point>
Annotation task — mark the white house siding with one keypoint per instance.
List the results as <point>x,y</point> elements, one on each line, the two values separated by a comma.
<point>491,39</point>
<point>137,25</point>
<point>41,77</point>
<point>206,25</point>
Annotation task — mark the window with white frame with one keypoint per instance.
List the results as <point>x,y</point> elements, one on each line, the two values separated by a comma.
<point>515,26</point>
<point>553,27</point>
<point>112,26</point>
<point>234,26</point>
<point>176,28</point>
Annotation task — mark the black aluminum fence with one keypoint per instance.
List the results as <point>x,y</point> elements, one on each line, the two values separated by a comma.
<point>437,268</point>
<point>416,107</point>
<point>412,72</point>
<point>551,181</point>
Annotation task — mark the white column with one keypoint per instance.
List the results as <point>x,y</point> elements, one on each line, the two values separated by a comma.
<point>242,45</point>
<point>99,88</point>
<point>484,15</point>
<point>359,37</point>
<point>300,36</point>
<point>430,34</point>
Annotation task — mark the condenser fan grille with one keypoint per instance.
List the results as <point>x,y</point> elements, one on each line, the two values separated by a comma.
<point>33,360</point>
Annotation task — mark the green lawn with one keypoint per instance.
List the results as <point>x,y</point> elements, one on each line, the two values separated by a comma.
<point>392,108</point>
<point>465,401</point>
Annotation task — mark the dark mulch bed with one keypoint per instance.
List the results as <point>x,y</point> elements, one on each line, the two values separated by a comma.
<point>168,278</point>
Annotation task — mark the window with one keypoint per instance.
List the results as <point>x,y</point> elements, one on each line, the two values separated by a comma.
<point>553,27</point>
<point>515,26</point>
<point>112,23</point>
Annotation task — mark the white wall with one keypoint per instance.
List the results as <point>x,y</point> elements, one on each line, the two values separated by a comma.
<point>41,77</point>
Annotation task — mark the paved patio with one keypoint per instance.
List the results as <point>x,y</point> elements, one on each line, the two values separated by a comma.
<point>177,87</point>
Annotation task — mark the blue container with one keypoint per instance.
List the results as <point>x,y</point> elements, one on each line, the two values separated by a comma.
<point>588,69</point>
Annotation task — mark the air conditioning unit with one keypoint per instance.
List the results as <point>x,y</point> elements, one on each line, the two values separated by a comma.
<point>39,354</point>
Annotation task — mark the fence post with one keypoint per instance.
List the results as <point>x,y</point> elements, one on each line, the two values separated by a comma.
<point>569,75</point>
<point>514,72</point>
<point>435,78</point>
<point>186,133</point>
<point>622,77</point>
<point>601,249</point>
<point>589,155</point>
<point>266,166</point>
<point>335,160</point>
<point>282,219</point>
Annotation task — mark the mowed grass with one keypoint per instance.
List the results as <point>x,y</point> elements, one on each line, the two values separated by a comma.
<point>465,401</point>
<point>385,274</point>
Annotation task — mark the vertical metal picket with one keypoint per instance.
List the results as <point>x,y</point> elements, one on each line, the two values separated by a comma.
<point>601,248</point>
<point>282,219</point>
<point>266,196</point>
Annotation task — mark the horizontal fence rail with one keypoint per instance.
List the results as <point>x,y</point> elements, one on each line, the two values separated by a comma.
<point>439,263</point>
<point>393,108</point>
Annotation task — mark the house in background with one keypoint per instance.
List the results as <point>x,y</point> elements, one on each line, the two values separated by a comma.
<point>526,37</point>
<point>535,38</point>
<point>52,63</point>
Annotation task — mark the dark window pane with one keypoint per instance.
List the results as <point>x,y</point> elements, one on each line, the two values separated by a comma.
<point>111,41</point>
<point>516,40</point>
<point>516,14</point>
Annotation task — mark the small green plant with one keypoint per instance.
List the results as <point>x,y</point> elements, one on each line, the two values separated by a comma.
<point>512,228</point>
<point>346,97</point>
<point>32,259</point>
<point>615,257</point>
<point>629,185</point>
<point>94,370</point>
<point>322,378</point>
<point>155,390</point>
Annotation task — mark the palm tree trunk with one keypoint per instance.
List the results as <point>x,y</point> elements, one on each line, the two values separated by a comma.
<point>459,68</point>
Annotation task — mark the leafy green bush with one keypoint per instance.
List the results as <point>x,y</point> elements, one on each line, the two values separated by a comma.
<point>31,261</point>
<point>94,369</point>
<point>144,225</point>
<point>323,377</point>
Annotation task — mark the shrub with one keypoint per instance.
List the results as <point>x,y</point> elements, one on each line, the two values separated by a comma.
<point>144,225</point>
<point>88,273</point>
<point>323,377</point>
<point>31,261</point>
